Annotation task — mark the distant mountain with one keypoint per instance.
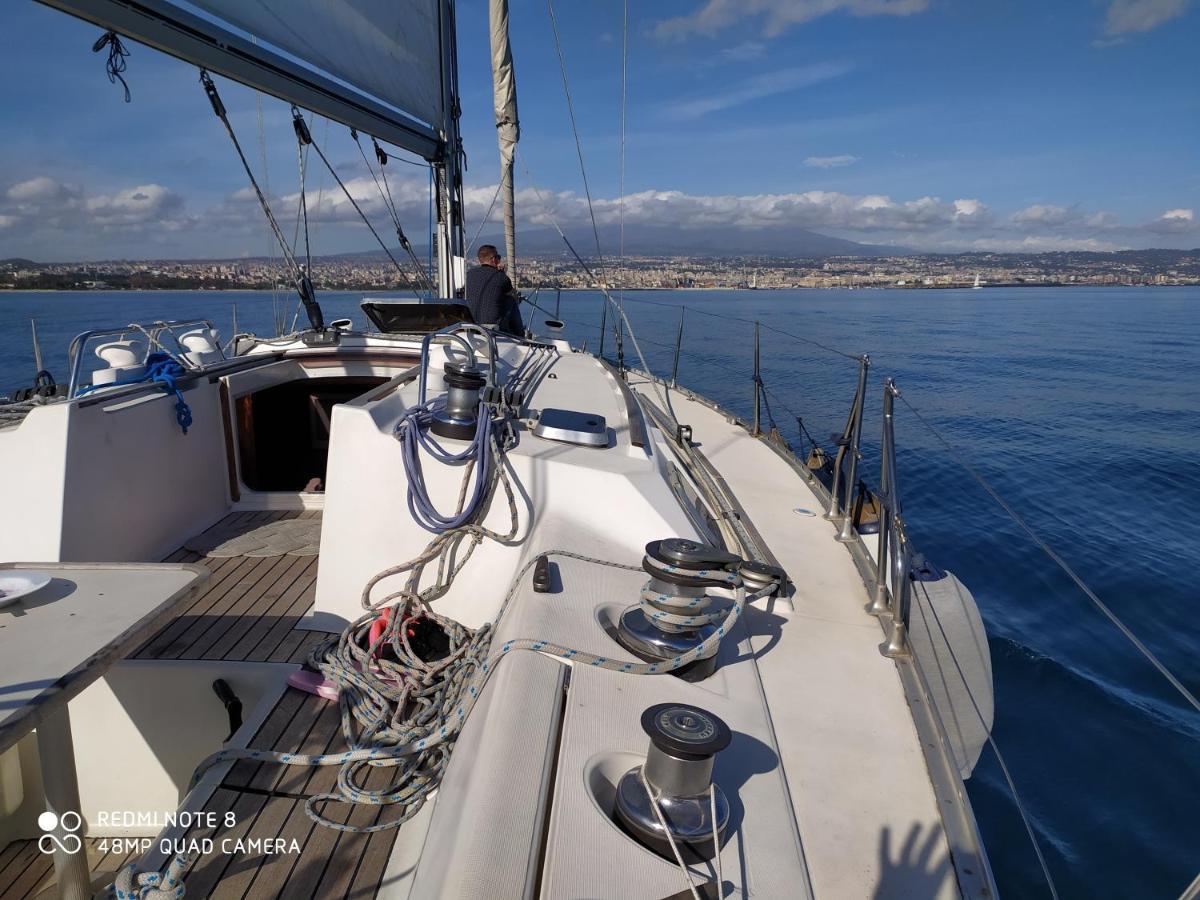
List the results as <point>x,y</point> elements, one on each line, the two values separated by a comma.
<point>660,240</point>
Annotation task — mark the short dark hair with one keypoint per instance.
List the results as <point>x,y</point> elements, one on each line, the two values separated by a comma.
<point>488,253</point>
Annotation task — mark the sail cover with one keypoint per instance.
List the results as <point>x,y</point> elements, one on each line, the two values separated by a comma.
<point>375,65</point>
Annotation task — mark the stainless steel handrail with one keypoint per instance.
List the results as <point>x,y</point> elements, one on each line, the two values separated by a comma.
<point>849,443</point>
<point>80,341</point>
<point>893,581</point>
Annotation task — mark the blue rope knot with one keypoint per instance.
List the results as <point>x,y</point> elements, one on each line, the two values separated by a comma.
<point>162,369</point>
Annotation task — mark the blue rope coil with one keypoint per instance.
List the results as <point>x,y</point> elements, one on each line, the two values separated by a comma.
<point>162,369</point>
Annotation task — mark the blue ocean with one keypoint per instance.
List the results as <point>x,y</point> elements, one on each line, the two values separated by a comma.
<point>1080,406</point>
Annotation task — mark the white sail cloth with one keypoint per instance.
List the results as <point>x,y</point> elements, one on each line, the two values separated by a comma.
<point>388,49</point>
<point>508,127</point>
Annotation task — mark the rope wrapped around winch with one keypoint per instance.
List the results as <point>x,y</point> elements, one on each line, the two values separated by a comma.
<point>403,707</point>
<point>411,722</point>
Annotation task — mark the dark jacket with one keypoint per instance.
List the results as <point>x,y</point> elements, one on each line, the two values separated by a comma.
<point>492,299</point>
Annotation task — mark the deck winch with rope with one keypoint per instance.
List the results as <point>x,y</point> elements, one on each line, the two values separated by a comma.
<point>403,706</point>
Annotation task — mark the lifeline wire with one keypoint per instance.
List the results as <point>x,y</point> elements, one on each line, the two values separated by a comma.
<point>1012,787</point>
<point>1058,560</point>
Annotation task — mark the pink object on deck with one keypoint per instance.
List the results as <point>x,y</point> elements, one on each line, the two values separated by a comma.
<point>313,683</point>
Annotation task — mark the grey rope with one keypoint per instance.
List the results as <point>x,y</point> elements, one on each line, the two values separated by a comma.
<point>1058,560</point>
<point>393,737</point>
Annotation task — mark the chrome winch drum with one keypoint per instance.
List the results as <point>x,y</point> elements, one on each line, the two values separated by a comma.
<point>459,417</point>
<point>684,741</point>
<point>681,573</point>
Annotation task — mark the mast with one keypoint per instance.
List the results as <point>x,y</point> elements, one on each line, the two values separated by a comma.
<point>448,169</point>
<point>508,127</point>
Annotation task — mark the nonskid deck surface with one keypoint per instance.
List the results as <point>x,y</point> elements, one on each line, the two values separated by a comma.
<point>250,606</point>
<point>860,786</point>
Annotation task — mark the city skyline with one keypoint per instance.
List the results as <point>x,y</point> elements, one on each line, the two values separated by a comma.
<point>931,125</point>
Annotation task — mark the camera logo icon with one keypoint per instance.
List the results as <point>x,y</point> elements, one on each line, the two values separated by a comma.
<point>70,823</point>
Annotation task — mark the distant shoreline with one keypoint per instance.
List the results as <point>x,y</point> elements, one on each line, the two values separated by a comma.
<point>592,290</point>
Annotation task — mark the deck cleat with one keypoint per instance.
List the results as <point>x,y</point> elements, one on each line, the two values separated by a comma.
<point>684,740</point>
<point>676,615</point>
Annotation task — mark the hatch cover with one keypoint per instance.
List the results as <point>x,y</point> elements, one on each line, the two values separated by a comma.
<point>571,427</point>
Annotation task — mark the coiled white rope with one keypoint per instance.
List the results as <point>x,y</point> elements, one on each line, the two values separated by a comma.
<point>130,885</point>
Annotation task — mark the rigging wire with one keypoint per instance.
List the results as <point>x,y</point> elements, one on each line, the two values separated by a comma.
<point>601,286</point>
<point>303,284</point>
<point>1146,652</point>
<point>276,320</point>
<point>385,193</point>
<point>1012,787</point>
<point>303,140</point>
<point>407,281</point>
<point>621,187</point>
<point>484,222</point>
<point>776,330</point>
<point>562,67</point>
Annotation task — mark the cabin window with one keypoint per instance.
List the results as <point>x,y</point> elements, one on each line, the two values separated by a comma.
<point>283,431</point>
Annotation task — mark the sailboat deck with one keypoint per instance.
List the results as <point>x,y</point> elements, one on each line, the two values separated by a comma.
<point>26,872</point>
<point>249,609</point>
<point>268,803</point>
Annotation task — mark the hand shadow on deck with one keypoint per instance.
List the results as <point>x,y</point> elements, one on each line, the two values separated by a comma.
<point>919,868</point>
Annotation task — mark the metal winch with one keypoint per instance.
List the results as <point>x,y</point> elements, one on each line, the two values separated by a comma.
<point>458,418</point>
<point>678,772</point>
<point>676,613</point>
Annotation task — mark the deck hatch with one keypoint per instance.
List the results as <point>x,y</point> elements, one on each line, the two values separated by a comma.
<point>572,427</point>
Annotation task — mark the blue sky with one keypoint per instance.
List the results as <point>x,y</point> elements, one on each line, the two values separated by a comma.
<point>933,124</point>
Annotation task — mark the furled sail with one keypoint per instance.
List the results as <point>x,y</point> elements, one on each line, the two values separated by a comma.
<point>375,65</point>
<point>508,128</point>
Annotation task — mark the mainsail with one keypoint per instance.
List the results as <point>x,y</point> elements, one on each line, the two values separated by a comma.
<point>375,65</point>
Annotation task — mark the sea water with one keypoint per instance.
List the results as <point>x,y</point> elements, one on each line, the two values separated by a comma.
<point>1080,406</point>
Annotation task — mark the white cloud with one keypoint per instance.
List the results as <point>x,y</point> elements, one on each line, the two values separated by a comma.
<point>971,213</point>
<point>142,205</point>
<point>1047,215</point>
<point>744,52</point>
<point>811,209</point>
<point>767,84</point>
<point>777,15</point>
<point>148,219</point>
<point>830,162</point>
<point>1039,244</point>
<point>1174,221</point>
<point>1131,16</point>
<point>44,202</point>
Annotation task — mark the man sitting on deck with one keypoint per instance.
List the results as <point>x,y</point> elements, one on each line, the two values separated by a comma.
<point>491,295</point>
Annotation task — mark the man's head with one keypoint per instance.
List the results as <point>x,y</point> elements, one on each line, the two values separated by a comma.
<point>489,255</point>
